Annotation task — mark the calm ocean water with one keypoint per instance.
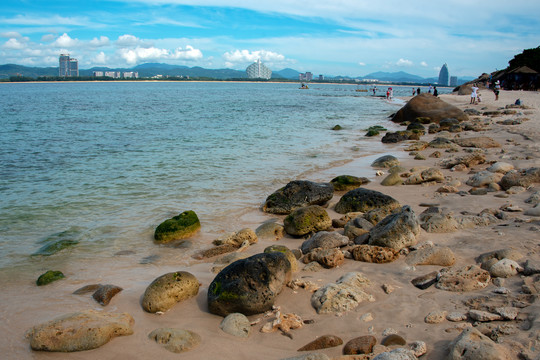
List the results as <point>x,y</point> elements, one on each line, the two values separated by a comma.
<point>104,163</point>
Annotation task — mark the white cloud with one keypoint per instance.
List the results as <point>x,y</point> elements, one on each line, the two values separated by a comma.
<point>362,63</point>
<point>13,44</point>
<point>189,53</point>
<point>11,35</point>
<point>424,64</point>
<point>100,58</point>
<point>46,20</point>
<point>102,41</point>
<point>65,41</point>
<point>48,38</point>
<point>129,40</point>
<point>243,56</point>
<point>403,62</point>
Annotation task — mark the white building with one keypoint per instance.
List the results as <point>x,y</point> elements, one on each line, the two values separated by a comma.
<point>257,70</point>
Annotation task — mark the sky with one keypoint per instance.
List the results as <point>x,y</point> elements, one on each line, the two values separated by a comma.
<point>329,37</point>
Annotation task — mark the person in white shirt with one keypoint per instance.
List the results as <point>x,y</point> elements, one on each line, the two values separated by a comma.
<point>474,89</point>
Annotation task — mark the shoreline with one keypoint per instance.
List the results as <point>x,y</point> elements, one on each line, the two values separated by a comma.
<point>403,310</point>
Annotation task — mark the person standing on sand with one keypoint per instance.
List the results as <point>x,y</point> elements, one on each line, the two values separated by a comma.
<point>474,89</point>
<point>418,91</point>
<point>413,92</point>
<point>435,92</point>
<point>497,89</point>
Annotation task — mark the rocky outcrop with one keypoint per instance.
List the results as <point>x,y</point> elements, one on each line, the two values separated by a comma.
<point>428,106</point>
<point>365,200</point>
<point>168,289</point>
<point>344,295</point>
<point>471,344</point>
<point>249,286</point>
<point>466,278</point>
<point>397,230</point>
<point>297,194</point>
<point>179,227</point>
<point>307,220</point>
<point>79,331</point>
<point>374,254</point>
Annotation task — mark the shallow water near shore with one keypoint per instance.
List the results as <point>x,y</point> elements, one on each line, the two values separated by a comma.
<point>101,164</point>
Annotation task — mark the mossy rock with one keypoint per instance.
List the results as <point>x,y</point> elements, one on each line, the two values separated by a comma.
<point>49,277</point>
<point>337,127</point>
<point>54,247</point>
<point>306,220</point>
<point>348,182</point>
<point>374,130</point>
<point>179,227</point>
<point>168,289</point>
<point>372,133</point>
<point>287,252</point>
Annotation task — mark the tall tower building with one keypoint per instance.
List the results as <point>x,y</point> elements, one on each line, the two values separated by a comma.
<point>443,76</point>
<point>67,67</point>
<point>257,70</point>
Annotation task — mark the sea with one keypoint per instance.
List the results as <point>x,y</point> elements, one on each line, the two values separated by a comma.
<point>101,164</point>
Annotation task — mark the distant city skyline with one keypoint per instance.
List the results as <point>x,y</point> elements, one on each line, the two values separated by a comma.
<point>345,37</point>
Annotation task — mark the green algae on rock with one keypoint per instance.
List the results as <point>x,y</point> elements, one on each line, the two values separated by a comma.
<point>49,277</point>
<point>179,227</point>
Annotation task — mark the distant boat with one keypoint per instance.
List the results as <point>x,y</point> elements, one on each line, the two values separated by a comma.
<point>304,86</point>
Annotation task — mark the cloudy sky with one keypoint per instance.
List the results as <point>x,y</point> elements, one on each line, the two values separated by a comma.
<point>330,37</point>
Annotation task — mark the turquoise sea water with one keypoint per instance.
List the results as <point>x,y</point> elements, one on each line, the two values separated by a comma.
<point>104,163</point>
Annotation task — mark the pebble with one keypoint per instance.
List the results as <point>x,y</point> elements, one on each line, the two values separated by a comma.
<point>501,290</point>
<point>435,317</point>
<point>393,339</point>
<point>456,316</point>
<point>389,331</point>
<point>366,317</point>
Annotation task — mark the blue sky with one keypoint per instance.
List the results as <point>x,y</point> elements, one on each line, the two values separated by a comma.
<point>330,37</point>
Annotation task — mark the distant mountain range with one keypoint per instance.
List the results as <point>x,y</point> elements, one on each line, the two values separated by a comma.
<point>153,69</point>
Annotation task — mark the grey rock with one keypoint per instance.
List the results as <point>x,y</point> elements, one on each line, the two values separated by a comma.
<point>306,220</point>
<point>364,200</point>
<point>471,344</point>
<point>386,161</point>
<point>297,194</point>
<point>175,340</point>
<point>356,227</point>
<point>270,230</point>
<point>484,178</point>
<point>505,268</point>
<point>525,178</point>
<point>397,354</point>
<point>344,295</point>
<point>397,230</point>
<point>435,255</point>
<point>324,240</point>
<point>236,324</point>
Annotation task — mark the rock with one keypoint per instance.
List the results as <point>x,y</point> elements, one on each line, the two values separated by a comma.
<point>535,211</point>
<point>505,268</point>
<point>105,293</point>
<point>534,198</point>
<point>348,182</point>
<point>419,348</point>
<point>87,289</point>
<point>499,255</point>
<point>446,124</point>
<point>435,317</point>
<point>52,248</point>
<point>435,255</point>
<point>501,167</point>
<point>344,295</point>
<point>297,194</point>
<point>468,160</point>
<point>48,277</point>
<point>237,239</point>
<point>249,286</point>
<point>482,142</point>
<point>329,258</point>
<point>480,315</point>
<point>179,227</point>
<point>507,312</point>
<point>356,227</point>
<point>323,342</point>
<point>175,340</point>
<point>306,220</point>
<point>462,279</point>
<point>287,252</point>
<point>392,179</point>
<point>168,289</point>
<point>393,339</point>
<point>516,190</point>
<point>417,146</point>
<point>215,251</point>
<point>442,143</point>
<point>428,106</point>
<point>386,161</point>
<point>425,281</point>
<point>374,254</point>
<point>236,324</point>
<point>79,331</point>
<point>531,267</point>
<point>324,240</point>
<point>364,200</point>
<point>484,178</point>
<point>447,189</point>
<point>395,137</point>
<point>456,317</point>
<point>471,344</point>
<point>523,178</point>
<point>312,356</point>
<point>396,354</point>
<point>440,223</point>
<point>360,345</point>
<point>270,230</point>
<point>431,174</point>
<point>397,230</point>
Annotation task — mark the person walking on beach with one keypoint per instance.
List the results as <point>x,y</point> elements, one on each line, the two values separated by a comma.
<point>497,89</point>
<point>413,92</point>
<point>474,89</point>
<point>435,92</point>
<point>429,90</point>
<point>418,91</point>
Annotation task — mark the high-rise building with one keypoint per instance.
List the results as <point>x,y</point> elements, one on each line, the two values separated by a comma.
<point>453,80</point>
<point>257,70</point>
<point>67,67</point>
<point>443,76</point>
<point>308,76</point>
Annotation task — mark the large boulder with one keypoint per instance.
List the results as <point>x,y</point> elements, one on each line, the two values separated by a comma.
<point>324,240</point>
<point>428,106</point>
<point>306,220</point>
<point>249,286</point>
<point>397,230</point>
<point>344,295</point>
<point>467,278</point>
<point>365,200</point>
<point>79,331</point>
<point>523,178</point>
<point>168,289</point>
<point>297,194</point>
<point>179,227</point>
<point>484,178</point>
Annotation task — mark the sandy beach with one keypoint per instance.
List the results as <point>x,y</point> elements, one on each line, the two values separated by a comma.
<point>398,306</point>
